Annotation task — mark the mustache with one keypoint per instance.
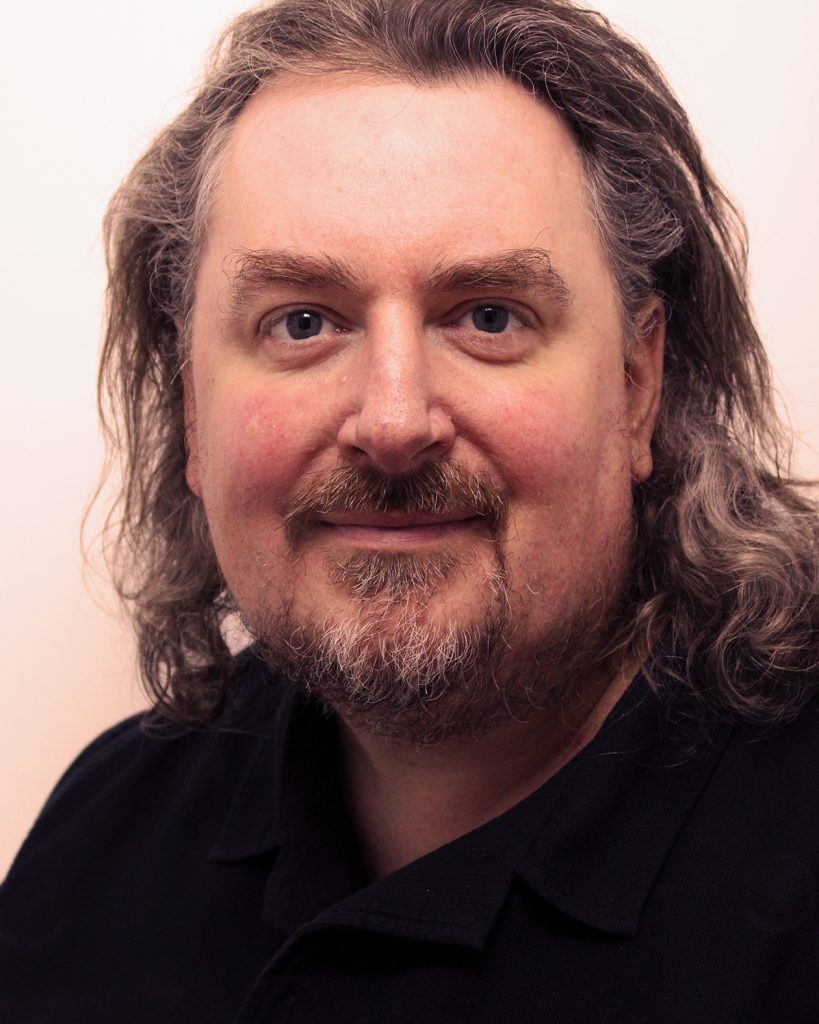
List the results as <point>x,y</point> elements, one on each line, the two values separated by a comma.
<point>436,488</point>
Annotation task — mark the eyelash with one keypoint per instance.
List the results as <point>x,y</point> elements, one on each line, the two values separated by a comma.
<point>524,320</point>
<point>268,323</point>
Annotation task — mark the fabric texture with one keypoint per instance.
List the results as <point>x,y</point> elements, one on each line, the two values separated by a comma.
<point>667,874</point>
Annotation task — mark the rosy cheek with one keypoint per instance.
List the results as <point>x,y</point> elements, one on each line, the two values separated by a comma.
<point>556,446</point>
<point>263,443</point>
<point>536,442</point>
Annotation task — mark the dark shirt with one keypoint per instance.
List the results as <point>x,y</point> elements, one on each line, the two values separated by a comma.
<point>667,874</point>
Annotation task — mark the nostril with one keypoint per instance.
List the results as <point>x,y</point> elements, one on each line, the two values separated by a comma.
<point>396,444</point>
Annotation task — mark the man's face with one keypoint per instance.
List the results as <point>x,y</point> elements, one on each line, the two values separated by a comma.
<point>410,416</point>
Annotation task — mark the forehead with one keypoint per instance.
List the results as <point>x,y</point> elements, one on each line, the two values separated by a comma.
<point>401,174</point>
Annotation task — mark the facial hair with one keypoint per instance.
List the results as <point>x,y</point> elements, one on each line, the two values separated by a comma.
<point>392,668</point>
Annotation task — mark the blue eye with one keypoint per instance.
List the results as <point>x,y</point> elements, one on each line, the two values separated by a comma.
<point>304,323</point>
<point>491,319</point>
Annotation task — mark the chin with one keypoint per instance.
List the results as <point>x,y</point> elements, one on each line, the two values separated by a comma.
<point>394,661</point>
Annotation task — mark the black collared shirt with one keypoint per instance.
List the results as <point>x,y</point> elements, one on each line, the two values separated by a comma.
<point>667,875</point>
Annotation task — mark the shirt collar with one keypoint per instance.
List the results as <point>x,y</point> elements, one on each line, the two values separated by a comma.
<point>625,800</point>
<point>257,822</point>
<point>590,842</point>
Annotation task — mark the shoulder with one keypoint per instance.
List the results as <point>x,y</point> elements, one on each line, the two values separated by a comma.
<point>756,824</point>
<point>755,836</point>
<point>778,752</point>
<point>137,776</point>
<point>112,752</point>
<point>118,861</point>
<point>765,774</point>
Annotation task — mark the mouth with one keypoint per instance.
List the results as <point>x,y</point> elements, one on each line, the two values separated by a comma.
<point>396,530</point>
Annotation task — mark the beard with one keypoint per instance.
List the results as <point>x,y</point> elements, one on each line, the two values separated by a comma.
<point>392,666</point>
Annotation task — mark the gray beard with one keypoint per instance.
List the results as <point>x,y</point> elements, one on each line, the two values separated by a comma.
<point>392,671</point>
<point>388,665</point>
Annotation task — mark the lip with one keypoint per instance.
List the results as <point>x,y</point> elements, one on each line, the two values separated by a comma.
<point>396,529</point>
<point>394,520</point>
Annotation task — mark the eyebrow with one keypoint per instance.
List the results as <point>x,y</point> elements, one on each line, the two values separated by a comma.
<point>513,270</point>
<point>259,269</point>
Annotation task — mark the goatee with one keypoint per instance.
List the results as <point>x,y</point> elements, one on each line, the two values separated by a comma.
<point>419,678</point>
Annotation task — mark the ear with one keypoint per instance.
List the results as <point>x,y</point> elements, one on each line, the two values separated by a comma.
<point>192,474</point>
<point>644,380</point>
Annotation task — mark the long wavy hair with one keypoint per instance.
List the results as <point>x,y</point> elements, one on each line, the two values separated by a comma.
<point>726,563</point>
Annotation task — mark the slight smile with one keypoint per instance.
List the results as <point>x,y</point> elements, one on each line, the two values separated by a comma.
<point>396,530</point>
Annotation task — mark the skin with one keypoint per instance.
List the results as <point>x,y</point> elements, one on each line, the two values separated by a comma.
<point>397,180</point>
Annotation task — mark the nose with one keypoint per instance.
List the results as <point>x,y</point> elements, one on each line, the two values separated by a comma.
<point>399,421</point>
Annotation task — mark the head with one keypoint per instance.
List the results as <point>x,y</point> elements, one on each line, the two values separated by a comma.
<point>406,501</point>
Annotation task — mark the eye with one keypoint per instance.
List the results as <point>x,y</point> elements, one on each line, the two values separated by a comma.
<point>489,318</point>
<point>492,319</point>
<point>304,323</point>
<point>297,325</point>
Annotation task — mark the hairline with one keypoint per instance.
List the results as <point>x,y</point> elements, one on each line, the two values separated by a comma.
<point>217,146</point>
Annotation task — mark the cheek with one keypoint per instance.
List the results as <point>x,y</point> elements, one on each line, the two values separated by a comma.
<point>571,496</point>
<point>561,449</point>
<point>256,448</point>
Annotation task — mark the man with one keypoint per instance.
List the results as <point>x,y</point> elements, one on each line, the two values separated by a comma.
<point>434,371</point>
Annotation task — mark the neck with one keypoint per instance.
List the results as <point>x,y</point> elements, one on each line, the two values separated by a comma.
<point>407,801</point>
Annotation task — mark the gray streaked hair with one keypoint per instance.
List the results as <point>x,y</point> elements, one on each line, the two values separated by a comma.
<point>726,564</point>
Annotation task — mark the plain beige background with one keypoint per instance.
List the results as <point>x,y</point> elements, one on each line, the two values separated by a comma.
<point>83,87</point>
